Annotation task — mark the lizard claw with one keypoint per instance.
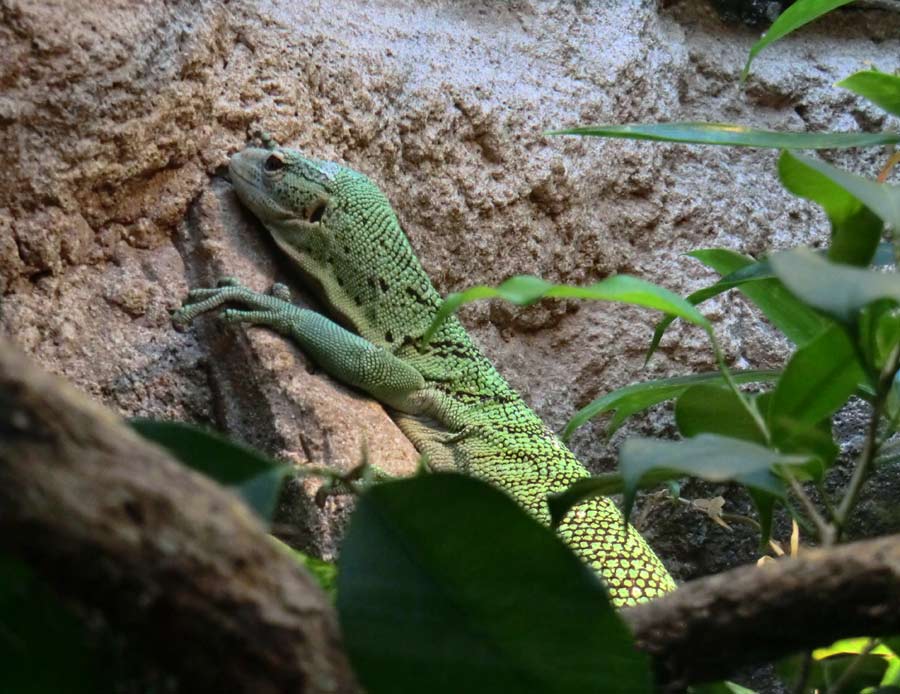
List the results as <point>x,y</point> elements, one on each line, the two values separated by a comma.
<point>178,320</point>
<point>182,317</point>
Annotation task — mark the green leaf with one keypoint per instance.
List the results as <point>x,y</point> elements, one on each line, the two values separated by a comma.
<point>855,229</point>
<point>325,572</point>
<point>446,585</point>
<point>867,671</point>
<point>626,401</point>
<point>852,646</point>
<point>525,290</point>
<point>757,282</point>
<point>835,289</point>
<point>881,88</point>
<point>741,269</point>
<point>819,378</point>
<point>707,456</point>
<point>647,462</point>
<point>715,409</point>
<point>879,332</point>
<point>823,673</point>
<point>44,647</point>
<point>892,674</point>
<point>816,441</point>
<point>765,509</point>
<point>604,484</point>
<point>800,13</point>
<point>883,199</point>
<point>254,477</point>
<point>798,323</point>
<point>731,135</point>
<point>892,642</point>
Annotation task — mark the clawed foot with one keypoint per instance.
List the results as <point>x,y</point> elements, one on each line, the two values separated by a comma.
<point>256,308</point>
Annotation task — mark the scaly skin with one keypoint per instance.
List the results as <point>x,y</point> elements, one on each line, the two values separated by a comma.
<point>340,231</point>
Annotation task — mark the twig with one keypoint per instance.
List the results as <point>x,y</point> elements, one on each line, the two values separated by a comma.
<point>870,449</point>
<point>710,627</point>
<point>732,384</point>
<point>824,529</point>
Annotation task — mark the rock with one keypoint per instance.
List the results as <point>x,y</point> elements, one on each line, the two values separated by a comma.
<point>117,120</point>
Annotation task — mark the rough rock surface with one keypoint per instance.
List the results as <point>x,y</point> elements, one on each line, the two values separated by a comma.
<point>116,122</point>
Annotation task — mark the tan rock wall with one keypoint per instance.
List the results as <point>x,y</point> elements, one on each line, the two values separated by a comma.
<point>117,117</point>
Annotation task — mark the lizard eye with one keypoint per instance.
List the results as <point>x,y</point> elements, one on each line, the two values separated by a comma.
<point>316,212</point>
<point>274,162</point>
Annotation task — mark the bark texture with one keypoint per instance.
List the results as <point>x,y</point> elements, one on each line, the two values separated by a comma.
<point>113,523</point>
<point>708,628</point>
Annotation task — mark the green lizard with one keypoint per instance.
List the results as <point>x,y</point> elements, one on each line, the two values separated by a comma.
<point>339,230</point>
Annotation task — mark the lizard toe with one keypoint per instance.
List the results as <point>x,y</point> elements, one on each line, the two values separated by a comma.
<point>200,294</point>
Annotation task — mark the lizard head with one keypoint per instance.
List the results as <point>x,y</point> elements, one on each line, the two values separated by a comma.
<point>285,189</point>
<point>334,223</point>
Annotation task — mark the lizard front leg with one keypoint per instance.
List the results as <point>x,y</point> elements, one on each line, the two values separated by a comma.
<point>342,354</point>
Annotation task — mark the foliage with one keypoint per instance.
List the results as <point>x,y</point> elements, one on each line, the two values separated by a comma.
<point>639,396</point>
<point>733,135</point>
<point>857,664</point>
<point>446,585</point>
<point>497,604</point>
<point>794,17</point>
<point>525,290</point>
<point>254,477</point>
<point>841,308</point>
<point>880,88</point>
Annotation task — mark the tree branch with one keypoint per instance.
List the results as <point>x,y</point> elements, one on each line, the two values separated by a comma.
<point>113,523</point>
<point>710,627</point>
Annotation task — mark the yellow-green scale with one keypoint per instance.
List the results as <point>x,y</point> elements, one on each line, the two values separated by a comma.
<point>467,417</point>
<point>492,433</point>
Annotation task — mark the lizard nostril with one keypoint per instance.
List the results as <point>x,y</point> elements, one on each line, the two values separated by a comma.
<point>315,214</point>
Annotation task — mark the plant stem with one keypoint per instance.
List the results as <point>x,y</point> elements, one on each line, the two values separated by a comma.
<point>861,471</point>
<point>746,404</point>
<point>826,502</point>
<point>870,449</point>
<point>824,529</point>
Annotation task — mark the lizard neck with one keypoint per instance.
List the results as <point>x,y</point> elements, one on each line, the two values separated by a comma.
<point>374,279</point>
